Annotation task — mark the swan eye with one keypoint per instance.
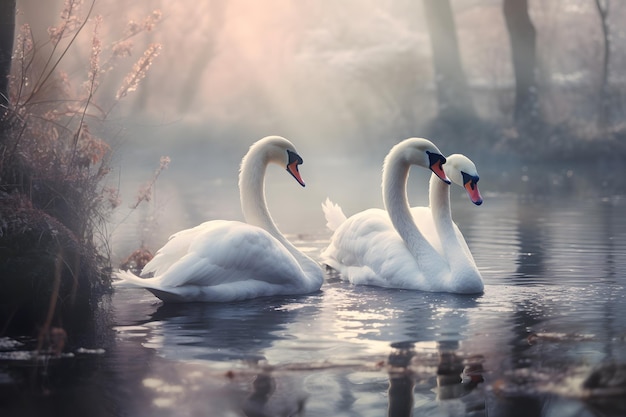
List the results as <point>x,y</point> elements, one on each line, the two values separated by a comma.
<point>294,157</point>
<point>470,180</point>
<point>434,157</point>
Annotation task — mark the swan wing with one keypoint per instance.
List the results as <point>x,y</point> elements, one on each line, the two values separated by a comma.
<point>349,243</point>
<point>334,214</point>
<point>175,248</point>
<point>366,250</point>
<point>225,252</point>
<point>227,261</point>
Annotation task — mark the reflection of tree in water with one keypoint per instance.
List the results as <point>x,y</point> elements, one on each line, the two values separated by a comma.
<point>262,389</point>
<point>259,404</point>
<point>530,227</point>
<point>611,312</point>
<point>524,317</point>
<point>609,229</point>
<point>555,356</point>
<point>94,382</point>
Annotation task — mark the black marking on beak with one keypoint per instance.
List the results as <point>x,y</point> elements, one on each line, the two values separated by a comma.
<point>292,166</point>
<point>471,179</point>
<point>436,161</point>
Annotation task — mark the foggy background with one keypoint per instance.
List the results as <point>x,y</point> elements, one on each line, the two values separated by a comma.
<point>344,81</point>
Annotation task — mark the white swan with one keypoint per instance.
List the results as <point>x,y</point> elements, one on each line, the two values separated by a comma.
<point>220,261</point>
<point>436,223</point>
<point>386,248</point>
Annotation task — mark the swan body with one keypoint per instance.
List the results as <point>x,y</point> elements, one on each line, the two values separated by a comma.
<point>220,260</point>
<point>386,248</point>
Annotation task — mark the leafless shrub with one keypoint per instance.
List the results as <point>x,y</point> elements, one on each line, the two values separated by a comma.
<point>52,153</point>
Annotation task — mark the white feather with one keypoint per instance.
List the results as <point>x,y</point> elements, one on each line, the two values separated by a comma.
<point>333,213</point>
<point>220,261</point>
<point>386,248</point>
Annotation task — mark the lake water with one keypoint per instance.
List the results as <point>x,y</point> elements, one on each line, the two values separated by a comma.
<point>552,314</point>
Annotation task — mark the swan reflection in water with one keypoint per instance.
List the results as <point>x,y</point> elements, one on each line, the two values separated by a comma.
<point>212,357</point>
<point>277,348</point>
<point>456,377</point>
<point>222,332</point>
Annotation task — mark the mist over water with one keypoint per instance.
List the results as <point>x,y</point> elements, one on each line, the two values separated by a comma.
<point>353,74</point>
<point>340,81</point>
<point>344,81</point>
<point>356,74</point>
<point>345,77</point>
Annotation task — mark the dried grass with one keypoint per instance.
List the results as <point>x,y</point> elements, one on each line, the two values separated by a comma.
<point>53,166</point>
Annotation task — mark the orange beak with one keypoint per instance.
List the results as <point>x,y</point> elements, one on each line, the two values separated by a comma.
<point>436,166</point>
<point>472,190</point>
<point>293,170</point>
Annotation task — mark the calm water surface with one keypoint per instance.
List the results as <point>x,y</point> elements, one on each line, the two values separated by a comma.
<point>553,313</point>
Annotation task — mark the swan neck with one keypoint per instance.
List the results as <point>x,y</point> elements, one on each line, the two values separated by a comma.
<point>395,178</point>
<point>252,193</point>
<point>255,211</point>
<point>439,197</point>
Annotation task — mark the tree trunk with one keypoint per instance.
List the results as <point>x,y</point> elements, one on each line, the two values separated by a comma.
<point>452,89</point>
<point>7,33</point>
<point>522,36</point>
<point>604,108</point>
<point>202,60</point>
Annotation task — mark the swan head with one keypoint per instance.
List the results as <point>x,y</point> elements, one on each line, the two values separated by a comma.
<point>462,171</point>
<point>421,152</point>
<point>278,150</point>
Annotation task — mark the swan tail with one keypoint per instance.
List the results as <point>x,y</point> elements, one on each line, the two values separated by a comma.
<point>333,213</point>
<point>126,279</point>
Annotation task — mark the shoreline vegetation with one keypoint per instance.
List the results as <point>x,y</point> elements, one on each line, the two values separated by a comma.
<point>54,196</point>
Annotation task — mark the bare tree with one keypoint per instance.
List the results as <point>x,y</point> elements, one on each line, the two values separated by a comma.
<point>604,108</point>
<point>452,89</point>
<point>522,36</point>
<point>202,60</point>
<point>7,31</point>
